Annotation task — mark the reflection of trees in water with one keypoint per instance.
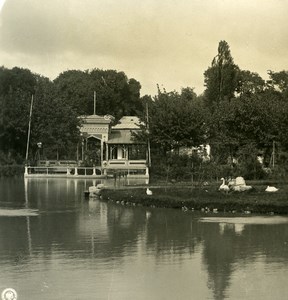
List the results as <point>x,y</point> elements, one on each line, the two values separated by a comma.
<point>218,255</point>
<point>125,225</point>
<point>42,237</point>
<point>16,250</point>
<point>169,232</point>
<point>108,231</point>
<point>224,246</point>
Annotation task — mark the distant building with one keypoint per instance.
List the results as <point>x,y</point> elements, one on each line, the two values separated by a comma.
<point>203,151</point>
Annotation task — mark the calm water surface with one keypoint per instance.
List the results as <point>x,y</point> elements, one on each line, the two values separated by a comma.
<point>56,245</point>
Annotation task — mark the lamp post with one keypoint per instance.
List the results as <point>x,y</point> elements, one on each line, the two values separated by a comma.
<point>39,144</point>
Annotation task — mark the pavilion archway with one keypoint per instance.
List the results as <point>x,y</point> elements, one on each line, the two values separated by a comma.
<point>92,152</point>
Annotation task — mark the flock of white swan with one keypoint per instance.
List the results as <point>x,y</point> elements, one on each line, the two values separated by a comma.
<point>239,185</point>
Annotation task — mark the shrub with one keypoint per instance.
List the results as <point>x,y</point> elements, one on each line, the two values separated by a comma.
<point>11,170</point>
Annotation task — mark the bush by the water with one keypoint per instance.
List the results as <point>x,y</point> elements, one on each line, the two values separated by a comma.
<point>10,164</point>
<point>177,167</point>
<point>11,170</point>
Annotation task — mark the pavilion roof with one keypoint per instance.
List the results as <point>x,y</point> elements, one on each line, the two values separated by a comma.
<point>128,122</point>
<point>96,119</point>
<point>122,137</point>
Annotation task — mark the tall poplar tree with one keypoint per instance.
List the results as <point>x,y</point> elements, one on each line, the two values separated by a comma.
<point>221,79</point>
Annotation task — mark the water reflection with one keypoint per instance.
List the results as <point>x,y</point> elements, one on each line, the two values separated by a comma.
<point>113,251</point>
<point>236,244</point>
<point>238,228</point>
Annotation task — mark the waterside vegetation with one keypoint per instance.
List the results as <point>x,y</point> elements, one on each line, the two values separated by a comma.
<point>207,199</point>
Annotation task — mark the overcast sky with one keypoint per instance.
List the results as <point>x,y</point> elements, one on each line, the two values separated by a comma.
<point>169,42</point>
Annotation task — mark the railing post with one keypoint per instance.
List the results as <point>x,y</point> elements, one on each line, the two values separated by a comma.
<point>147,171</point>
<point>94,171</point>
<point>76,171</point>
<point>26,171</point>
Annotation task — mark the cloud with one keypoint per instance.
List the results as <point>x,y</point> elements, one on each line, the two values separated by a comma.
<point>167,42</point>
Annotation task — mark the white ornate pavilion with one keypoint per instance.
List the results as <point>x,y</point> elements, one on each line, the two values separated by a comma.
<point>113,148</point>
<point>104,150</point>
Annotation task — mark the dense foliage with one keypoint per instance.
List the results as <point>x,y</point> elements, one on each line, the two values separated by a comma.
<point>56,108</point>
<point>240,115</point>
<point>176,120</point>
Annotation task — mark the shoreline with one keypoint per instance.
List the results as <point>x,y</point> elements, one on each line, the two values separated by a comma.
<point>206,199</point>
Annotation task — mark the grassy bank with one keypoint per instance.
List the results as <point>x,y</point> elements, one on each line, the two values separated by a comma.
<point>204,198</point>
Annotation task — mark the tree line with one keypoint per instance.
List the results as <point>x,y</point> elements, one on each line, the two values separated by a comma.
<point>56,108</point>
<point>240,115</point>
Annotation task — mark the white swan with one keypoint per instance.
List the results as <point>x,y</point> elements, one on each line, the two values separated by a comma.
<point>149,192</point>
<point>231,182</point>
<point>242,188</point>
<point>271,189</point>
<point>224,187</point>
<point>239,185</point>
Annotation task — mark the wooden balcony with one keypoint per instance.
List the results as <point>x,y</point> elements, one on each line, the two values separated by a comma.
<point>125,164</point>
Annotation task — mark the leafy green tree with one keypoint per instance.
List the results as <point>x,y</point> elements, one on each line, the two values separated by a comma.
<point>279,79</point>
<point>279,82</point>
<point>282,127</point>
<point>16,88</point>
<point>54,123</point>
<point>188,94</point>
<point>250,119</point>
<point>250,83</point>
<point>221,79</point>
<point>75,88</point>
<point>222,140</point>
<point>176,120</point>
<point>115,93</point>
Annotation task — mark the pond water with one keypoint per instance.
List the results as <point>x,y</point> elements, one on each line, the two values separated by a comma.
<point>54,244</point>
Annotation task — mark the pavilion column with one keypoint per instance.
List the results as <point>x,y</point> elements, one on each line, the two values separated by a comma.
<point>82,150</point>
<point>107,152</point>
<point>106,158</point>
<point>102,149</point>
<point>77,153</point>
